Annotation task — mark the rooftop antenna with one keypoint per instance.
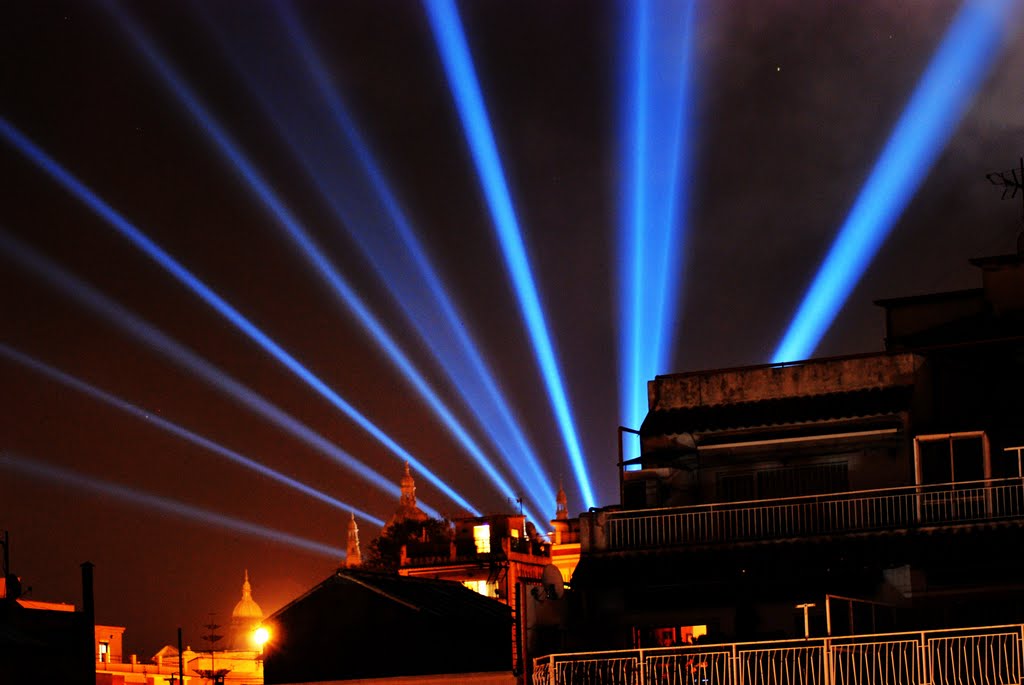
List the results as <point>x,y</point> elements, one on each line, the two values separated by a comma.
<point>518,501</point>
<point>1012,182</point>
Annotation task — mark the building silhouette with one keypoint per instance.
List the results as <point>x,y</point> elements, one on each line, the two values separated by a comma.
<point>825,497</point>
<point>361,623</point>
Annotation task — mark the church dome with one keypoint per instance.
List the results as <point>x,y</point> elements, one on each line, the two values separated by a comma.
<point>247,609</point>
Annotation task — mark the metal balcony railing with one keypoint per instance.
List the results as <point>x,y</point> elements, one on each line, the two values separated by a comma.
<point>837,513</point>
<point>989,655</point>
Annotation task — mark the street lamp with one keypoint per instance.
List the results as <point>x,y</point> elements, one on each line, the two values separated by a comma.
<point>261,636</point>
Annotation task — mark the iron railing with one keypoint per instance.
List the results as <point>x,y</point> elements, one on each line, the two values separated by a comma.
<point>814,515</point>
<point>965,656</point>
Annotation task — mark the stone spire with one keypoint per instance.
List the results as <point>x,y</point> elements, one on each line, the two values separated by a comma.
<point>408,485</point>
<point>407,509</point>
<point>244,618</point>
<point>561,504</point>
<point>353,555</point>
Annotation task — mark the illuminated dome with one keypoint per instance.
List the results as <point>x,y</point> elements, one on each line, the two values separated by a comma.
<point>247,609</point>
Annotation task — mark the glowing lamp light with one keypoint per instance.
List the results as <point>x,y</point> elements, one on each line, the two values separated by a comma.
<point>261,636</point>
<point>940,100</point>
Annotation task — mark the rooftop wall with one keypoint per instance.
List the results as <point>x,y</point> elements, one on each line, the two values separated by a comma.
<point>751,384</point>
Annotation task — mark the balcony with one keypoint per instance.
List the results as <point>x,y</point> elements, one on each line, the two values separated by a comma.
<point>979,656</point>
<point>865,511</point>
<point>419,554</point>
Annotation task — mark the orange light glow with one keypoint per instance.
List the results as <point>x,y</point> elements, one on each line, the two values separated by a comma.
<point>261,636</point>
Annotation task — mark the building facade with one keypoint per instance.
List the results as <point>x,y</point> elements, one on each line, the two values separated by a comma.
<point>829,496</point>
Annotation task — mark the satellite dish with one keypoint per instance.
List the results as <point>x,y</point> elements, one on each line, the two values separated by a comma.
<point>551,580</point>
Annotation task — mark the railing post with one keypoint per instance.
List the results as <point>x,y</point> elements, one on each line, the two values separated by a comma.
<point>1020,653</point>
<point>641,670</point>
<point>551,670</point>
<point>827,661</point>
<point>926,675</point>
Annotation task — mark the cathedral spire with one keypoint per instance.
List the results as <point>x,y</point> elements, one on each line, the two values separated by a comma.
<point>407,509</point>
<point>408,485</point>
<point>353,555</point>
<point>561,503</point>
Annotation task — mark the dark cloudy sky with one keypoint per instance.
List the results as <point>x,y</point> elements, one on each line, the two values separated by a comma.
<point>795,100</point>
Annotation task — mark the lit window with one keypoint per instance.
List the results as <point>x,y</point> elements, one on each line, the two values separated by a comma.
<point>104,650</point>
<point>482,538</point>
<point>515,533</point>
<point>481,587</point>
<point>692,633</point>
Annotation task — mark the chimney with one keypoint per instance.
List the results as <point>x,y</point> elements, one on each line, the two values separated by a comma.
<point>88,608</point>
<point>88,627</point>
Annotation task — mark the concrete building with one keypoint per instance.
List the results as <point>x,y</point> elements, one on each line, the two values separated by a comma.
<point>874,492</point>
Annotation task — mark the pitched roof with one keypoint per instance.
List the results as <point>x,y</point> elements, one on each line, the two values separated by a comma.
<point>441,598</point>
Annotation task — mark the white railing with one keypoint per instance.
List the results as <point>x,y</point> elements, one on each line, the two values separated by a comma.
<point>965,656</point>
<point>848,512</point>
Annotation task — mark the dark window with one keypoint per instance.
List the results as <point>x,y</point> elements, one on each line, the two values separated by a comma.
<point>952,459</point>
<point>936,465</point>
<point>968,460</point>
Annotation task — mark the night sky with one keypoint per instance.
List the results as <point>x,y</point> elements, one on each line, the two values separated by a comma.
<point>794,102</point>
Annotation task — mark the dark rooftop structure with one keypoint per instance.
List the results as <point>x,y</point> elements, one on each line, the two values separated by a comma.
<point>373,624</point>
<point>888,483</point>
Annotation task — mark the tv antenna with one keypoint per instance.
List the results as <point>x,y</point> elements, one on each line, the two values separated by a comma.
<point>518,501</point>
<point>213,673</point>
<point>1012,183</point>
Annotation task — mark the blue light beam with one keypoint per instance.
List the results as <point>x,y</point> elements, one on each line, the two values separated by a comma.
<point>655,139</point>
<point>84,294</point>
<point>940,100</point>
<point>458,65</point>
<point>163,504</point>
<point>378,237</point>
<point>184,276</point>
<point>351,181</point>
<point>286,220</point>
<point>81,386</point>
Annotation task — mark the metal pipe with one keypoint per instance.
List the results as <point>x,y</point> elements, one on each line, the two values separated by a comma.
<point>622,468</point>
